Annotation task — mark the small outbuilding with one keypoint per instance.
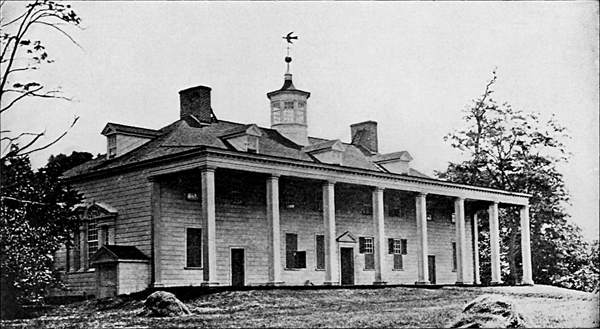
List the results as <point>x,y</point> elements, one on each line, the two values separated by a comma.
<point>120,270</point>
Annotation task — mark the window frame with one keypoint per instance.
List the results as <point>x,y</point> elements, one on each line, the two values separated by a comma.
<point>91,230</point>
<point>186,240</point>
<point>366,246</point>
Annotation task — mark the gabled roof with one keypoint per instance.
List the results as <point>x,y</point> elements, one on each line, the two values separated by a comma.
<point>346,237</point>
<point>334,145</point>
<point>392,157</point>
<point>115,253</point>
<point>251,129</point>
<point>115,128</point>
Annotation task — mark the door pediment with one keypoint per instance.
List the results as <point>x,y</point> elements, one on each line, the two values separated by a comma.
<point>346,237</point>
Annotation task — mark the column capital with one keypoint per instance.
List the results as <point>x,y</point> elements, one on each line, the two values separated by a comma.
<point>459,198</point>
<point>329,182</point>
<point>525,207</point>
<point>274,176</point>
<point>421,194</point>
<point>377,188</point>
<point>208,168</point>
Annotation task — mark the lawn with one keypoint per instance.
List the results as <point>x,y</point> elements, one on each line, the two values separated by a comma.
<point>542,306</point>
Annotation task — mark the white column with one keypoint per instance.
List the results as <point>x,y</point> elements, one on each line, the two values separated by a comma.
<point>476,277</point>
<point>209,248</point>
<point>422,251</point>
<point>494,243</point>
<point>526,247</point>
<point>331,263</point>
<point>378,225</point>
<point>461,241</point>
<point>274,236</point>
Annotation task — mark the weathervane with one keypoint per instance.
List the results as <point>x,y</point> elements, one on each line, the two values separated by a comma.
<point>289,39</point>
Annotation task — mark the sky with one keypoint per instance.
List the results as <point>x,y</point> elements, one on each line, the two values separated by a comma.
<point>410,66</point>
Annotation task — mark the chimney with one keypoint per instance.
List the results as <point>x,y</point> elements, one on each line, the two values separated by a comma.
<point>195,101</point>
<point>364,134</point>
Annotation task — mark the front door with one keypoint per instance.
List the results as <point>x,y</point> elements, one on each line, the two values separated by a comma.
<point>347,259</point>
<point>237,267</point>
<point>431,261</point>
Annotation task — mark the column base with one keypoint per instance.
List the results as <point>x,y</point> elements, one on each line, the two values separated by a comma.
<point>275,283</point>
<point>379,283</point>
<point>495,283</point>
<point>527,283</point>
<point>422,282</point>
<point>209,284</point>
<point>331,283</point>
<point>158,285</point>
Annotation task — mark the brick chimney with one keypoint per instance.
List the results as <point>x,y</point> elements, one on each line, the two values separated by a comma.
<point>195,102</point>
<point>364,135</point>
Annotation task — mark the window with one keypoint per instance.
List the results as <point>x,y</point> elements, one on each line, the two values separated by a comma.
<point>112,146</point>
<point>395,247</point>
<point>193,247</point>
<point>293,258</point>
<point>454,257</point>
<point>276,116</point>
<point>252,144</point>
<point>365,246</point>
<point>299,116</point>
<point>320,249</point>
<point>104,235</point>
<point>92,239</point>
<point>453,218</point>
<point>367,209</point>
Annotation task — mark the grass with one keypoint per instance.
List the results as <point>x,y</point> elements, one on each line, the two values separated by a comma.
<point>541,306</point>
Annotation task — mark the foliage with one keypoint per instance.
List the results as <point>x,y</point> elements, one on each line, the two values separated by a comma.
<point>513,150</point>
<point>21,54</point>
<point>36,219</point>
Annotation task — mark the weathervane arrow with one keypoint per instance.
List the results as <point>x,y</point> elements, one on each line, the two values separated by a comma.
<point>289,37</point>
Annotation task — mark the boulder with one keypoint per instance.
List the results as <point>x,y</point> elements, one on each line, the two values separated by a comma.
<point>162,303</point>
<point>489,311</point>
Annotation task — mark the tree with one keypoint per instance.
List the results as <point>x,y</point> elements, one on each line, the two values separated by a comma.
<point>36,219</point>
<point>514,150</point>
<point>20,54</point>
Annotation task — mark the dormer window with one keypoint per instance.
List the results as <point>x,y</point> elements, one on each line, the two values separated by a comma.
<point>244,138</point>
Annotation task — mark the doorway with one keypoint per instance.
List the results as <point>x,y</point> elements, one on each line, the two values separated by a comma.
<point>347,263</point>
<point>237,267</point>
<point>431,262</point>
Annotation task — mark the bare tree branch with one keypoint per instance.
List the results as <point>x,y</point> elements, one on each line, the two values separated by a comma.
<point>54,141</point>
<point>61,31</point>
<point>25,94</point>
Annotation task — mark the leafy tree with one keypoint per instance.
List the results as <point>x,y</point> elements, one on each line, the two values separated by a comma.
<point>19,56</point>
<point>36,219</point>
<point>513,150</point>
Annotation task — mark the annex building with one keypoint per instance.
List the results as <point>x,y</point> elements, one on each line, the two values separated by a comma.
<point>206,202</point>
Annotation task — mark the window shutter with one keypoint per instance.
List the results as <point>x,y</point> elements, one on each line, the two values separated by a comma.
<point>369,262</point>
<point>454,256</point>
<point>404,246</point>
<point>291,244</point>
<point>390,246</point>
<point>320,252</point>
<point>361,245</point>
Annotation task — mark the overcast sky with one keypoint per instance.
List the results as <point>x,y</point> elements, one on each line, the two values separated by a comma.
<point>412,67</point>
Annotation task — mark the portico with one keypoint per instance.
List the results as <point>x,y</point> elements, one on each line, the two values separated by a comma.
<point>209,161</point>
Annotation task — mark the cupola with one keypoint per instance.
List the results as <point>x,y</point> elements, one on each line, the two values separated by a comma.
<point>288,110</point>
